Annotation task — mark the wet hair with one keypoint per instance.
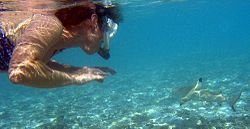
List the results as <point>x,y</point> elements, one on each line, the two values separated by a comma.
<point>74,15</point>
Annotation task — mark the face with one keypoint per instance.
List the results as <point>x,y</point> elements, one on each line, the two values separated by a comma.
<point>92,35</point>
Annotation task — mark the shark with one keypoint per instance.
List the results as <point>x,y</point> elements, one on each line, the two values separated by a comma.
<point>204,94</point>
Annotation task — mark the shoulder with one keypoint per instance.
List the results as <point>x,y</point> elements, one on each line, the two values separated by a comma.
<point>14,22</point>
<point>14,17</point>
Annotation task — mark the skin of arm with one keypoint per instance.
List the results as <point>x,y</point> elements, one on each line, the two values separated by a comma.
<point>27,65</point>
<point>73,69</point>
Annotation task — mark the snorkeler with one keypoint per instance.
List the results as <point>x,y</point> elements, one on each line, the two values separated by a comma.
<point>30,38</point>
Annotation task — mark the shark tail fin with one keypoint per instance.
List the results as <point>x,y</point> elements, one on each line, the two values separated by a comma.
<point>233,100</point>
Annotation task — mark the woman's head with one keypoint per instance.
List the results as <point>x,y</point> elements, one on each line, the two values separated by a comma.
<point>88,20</point>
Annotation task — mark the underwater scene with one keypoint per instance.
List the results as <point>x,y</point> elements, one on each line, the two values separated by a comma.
<point>181,64</point>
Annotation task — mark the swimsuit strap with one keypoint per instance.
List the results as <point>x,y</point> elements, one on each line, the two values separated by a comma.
<point>6,49</point>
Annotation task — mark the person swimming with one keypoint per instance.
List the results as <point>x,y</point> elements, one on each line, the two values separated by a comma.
<point>30,38</point>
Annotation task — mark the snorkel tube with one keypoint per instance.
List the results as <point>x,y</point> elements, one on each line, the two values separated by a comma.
<point>109,28</point>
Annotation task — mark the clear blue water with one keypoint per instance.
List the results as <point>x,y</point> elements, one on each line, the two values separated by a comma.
<point>161,46</point>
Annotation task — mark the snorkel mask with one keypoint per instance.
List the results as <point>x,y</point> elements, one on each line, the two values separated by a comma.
<point>109,28</point>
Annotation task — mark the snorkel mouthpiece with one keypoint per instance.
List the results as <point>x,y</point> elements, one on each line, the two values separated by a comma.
<point>104,53</point>
<point>109,29</point>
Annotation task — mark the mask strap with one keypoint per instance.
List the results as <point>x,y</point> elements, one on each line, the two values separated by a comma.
<point>107,3</point>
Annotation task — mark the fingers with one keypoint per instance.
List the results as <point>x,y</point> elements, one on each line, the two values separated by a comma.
<point>107,70</point>
<point>95,71</point>
<point>87,77</point>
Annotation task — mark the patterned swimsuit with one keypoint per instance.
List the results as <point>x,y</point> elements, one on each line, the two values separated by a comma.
<point>6,49</point>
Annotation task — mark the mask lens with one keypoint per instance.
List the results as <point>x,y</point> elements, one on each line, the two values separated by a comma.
<point>110,29</point>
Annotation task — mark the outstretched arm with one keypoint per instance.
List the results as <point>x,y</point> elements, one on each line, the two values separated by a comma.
<point>73,69</point>
<point>27,66</point>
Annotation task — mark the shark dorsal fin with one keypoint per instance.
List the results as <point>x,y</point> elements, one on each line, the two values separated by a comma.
<point>198,84</point>
<point>200,80</point>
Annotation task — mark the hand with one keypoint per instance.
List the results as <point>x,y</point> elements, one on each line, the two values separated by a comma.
<point>87,74</point>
